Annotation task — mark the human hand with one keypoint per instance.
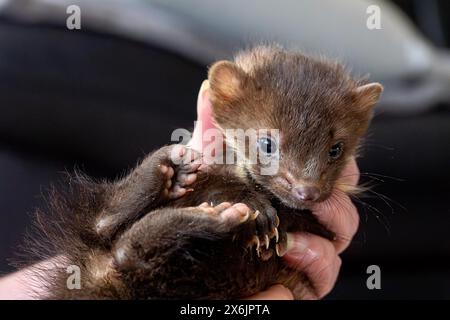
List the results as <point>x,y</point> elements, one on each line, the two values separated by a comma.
<point>318,257</point>
<point>315,256</point>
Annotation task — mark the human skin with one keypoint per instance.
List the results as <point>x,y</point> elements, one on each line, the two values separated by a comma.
<point>317,257</point>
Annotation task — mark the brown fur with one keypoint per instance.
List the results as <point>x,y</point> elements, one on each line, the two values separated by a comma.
<point>133,242</point>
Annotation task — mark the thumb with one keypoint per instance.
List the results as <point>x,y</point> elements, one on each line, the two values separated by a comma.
<point>204,118</point>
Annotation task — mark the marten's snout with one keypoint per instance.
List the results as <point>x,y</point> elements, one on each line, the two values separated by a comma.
<point>303,190</point>
<point>306,193</point>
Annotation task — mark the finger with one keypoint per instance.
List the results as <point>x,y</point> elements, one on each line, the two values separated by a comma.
<point>204,119</point>
<point>276,292</point>
<point>338,213</point>
<point>317,258</point>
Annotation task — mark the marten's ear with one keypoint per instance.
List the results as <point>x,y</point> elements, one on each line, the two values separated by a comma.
<point>227,81</point>
<point>368,95</point>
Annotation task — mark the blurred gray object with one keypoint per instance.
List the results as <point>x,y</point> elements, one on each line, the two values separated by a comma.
<point>415,74</point>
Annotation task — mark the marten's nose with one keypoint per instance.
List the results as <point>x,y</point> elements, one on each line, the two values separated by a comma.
<point>307,193</point>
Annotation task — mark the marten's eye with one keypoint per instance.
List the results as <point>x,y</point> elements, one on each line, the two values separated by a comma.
<point>267,145</point>
<point>336,150</point>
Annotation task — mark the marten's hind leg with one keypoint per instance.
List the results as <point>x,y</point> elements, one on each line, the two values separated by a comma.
<point>162,176</point>
<point>158,256</point>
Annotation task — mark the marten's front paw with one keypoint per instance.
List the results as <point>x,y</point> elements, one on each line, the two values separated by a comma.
<point>266,236</point>
<point>181,172</point>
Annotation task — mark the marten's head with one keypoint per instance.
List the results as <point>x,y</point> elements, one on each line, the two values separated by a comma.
<point>319,110</point>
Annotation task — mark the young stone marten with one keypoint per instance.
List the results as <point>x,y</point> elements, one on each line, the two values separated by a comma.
<point>175,228</point>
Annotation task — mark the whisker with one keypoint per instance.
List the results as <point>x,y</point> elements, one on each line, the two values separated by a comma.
<point>386,199</point>
<point>369,145</point>
<point>370,174</point>
<point>378,214</point>
<point>379,195</point>
<point>373,178</point>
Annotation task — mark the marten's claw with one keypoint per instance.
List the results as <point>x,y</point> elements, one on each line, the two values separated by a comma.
<point>263,228</point>
<point>254,215</point>
<point>262,252</point>
<point>266,241</point>
<point>275,234</point>
<point>277,250</point>
<point>255,242</point>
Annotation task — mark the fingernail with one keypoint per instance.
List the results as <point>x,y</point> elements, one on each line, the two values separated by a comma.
<point>203,92</point>
<point>296,243</point>
<point>205,85</point>
<point>298,248</point>
<point>301,254</point>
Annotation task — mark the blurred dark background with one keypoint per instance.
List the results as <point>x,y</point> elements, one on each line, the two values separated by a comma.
<point>99,101</point>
